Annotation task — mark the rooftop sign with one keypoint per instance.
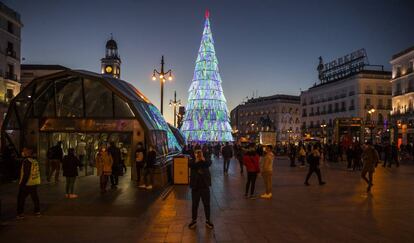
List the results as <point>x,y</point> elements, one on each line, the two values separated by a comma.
<point>343,66</point>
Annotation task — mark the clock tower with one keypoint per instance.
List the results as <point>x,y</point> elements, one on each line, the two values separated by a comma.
<point>111,63</point>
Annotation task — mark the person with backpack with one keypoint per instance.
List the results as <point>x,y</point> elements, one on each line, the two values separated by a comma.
<point>251,161</point>
<point>28,182</point>
<point>55,155</point>
<point>302,155</point>
<point>313,160</point>
<point>70,164</point>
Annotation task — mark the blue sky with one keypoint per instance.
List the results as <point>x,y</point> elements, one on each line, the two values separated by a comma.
<point>268,46</point>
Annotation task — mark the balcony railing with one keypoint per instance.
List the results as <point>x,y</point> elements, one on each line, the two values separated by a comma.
<point>397,92</point>
<point>381,107</point>
<point>368,91</point>
<point>11,76</point>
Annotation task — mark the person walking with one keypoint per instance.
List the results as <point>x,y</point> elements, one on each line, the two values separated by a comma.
<point>267,171</point>
<point>117,168</point>
<point>140,154</point>
<point>370,158</point>
<point>357,164</point>
<point>200,182</point>
<point>302,155</point>
<point>238,150</point>
<point>149,168</point>
<point>251,161</point>
<point>70,164</point>
<point>103,167</point>
<point>292,155</point>
<point>29,179</point>
<point>349,156</point>
<point>394,155</point>
<point>56,155</point>
<point>81,152</point>
<point>313,160</point>
<point>227,153</point>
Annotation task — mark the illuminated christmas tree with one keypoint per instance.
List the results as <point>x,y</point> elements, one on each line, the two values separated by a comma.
<point>206,118</point>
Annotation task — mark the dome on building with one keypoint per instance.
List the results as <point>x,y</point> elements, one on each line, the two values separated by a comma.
<point>111,44</point>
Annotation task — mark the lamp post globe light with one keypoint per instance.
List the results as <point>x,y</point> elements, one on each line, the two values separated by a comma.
<point>323,126</point>
<point>175,103</point>
<point>162,77</point>
<point>371,124</point>
<point>289,131</point>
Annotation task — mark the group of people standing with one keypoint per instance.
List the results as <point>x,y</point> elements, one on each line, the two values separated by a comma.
<point>144,164</point>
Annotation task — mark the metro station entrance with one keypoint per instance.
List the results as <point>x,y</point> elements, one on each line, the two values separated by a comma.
<point>86,146</point>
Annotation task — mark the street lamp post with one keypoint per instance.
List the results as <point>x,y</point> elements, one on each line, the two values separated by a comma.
<point>175,103</point>
<point>323,126</point>
<point>289,131</point>
<point>161,75</point>
<point>372,125</point>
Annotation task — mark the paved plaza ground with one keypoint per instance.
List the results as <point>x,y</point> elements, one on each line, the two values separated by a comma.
<point>339,211</point>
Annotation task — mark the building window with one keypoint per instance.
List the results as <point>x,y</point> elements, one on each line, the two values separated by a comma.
<point>10,28</point>
<point>343,106</point>
<point>380,105</point>
<point>380,90</point>
<point>368,90</point>
<point>367,102</point>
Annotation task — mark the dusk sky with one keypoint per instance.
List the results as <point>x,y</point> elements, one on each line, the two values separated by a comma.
<point>268,46</point>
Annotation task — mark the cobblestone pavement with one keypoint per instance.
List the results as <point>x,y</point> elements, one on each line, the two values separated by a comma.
<point>339,211</point>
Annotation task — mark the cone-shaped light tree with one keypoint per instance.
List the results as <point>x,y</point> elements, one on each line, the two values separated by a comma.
<point>206,118</point>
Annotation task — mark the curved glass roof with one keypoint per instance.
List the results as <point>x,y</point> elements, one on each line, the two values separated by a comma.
<point>84,94</point>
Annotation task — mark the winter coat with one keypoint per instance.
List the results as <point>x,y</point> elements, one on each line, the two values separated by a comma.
<point>151,159</point>
<point>117,167</point>
<point>370,158</point>
<point>200,176</point>
<point>267,166</point>
<point>103,163</point>
<point>70,166</point>
<point>227,151</point>
<point>251,162</point>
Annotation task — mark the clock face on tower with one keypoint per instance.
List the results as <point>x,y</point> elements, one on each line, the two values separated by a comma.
<point>108,69</point>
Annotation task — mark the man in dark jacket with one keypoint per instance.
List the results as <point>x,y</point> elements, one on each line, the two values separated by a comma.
<point>117,167</point>
<point>227,153</point>
<point>200,182</point>
<point>149,167</point>
<point>56,156</point>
